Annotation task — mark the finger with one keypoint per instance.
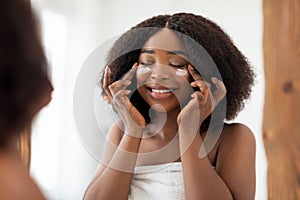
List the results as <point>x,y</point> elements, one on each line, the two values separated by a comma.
<point>179,118</point>
<point>192,104</point>
<point>187,110</point>
<point>106,81</point>
<point>201,84</point>
<point>118,85</point>
<point>204,88</point>
<point>121,99</point>
<point>129,75</point>
<point>107,99</point>
<point>194,73</point>
<point>199,96</point>
<point>122,93</point>
<point>221,89</point>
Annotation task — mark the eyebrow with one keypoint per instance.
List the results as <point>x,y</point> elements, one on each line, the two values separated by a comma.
<point>147,51</point>
<point>178,52</point>
<point>172,52</point>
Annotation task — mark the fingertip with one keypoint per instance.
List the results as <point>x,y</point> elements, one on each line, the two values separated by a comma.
<point>193,84</point>
<point>128,82</point>
<point>214,79</point>
<point>191,68</point>
<point>107,69</point>
<point>134,65</point>
<point>207,84</point>
<point>107,99</point>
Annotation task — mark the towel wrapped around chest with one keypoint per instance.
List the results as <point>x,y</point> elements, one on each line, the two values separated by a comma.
<point>157,182</point>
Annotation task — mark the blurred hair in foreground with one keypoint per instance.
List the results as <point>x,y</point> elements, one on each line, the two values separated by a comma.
<point>24,84</point>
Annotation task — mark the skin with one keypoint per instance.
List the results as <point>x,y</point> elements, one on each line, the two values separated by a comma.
<point>233,155</point>
<point>15,180</point>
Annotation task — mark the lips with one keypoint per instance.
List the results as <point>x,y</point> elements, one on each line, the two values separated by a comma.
<point>160,92</point>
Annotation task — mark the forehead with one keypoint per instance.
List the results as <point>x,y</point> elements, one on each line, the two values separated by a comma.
<point>164,39</point>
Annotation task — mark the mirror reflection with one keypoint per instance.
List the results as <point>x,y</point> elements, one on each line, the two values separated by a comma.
<point>67,148</point>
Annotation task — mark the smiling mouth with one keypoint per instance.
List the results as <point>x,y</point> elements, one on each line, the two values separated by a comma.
<point>160,92</point>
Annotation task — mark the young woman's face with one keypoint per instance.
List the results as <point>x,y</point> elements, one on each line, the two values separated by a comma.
<point>162,75</point>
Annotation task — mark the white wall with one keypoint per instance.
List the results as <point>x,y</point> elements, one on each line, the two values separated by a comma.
<point>62,162</point>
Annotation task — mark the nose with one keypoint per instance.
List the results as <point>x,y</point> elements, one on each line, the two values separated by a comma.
<point>160,72</point>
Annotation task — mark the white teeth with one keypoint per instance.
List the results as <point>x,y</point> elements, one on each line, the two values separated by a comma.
<point>161,91</point>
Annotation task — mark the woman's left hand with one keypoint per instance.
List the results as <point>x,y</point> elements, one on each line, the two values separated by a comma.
<point>203,102</point>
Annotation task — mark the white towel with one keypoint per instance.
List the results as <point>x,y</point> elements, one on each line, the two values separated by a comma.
<point>158,182</point>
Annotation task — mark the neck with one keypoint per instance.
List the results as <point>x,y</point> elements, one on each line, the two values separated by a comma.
<point>164,124</point>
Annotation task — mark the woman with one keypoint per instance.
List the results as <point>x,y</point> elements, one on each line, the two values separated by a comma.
<point>24,90</point>
<point>152,152</point>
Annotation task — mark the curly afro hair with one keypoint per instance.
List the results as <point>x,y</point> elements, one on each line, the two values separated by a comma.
<point>231,65</point>
<point>23,68</point>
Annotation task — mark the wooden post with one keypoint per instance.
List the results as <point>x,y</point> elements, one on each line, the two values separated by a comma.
<point>281,121</point>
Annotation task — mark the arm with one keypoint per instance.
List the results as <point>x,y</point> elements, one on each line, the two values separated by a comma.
<point>121,148</point>
<point>116,170</point>
<point>234,176</point>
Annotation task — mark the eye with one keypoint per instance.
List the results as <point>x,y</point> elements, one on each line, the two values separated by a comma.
<point>180,66</point>
<point>177,62</point>
<point>146,62</point>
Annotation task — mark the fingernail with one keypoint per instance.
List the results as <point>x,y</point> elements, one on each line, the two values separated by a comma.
<point>214,79</point>
<point>128,82</point>
<point>106,98</point>
<point>193,84</point>
<point>191,68</point>
<point>134,65</point>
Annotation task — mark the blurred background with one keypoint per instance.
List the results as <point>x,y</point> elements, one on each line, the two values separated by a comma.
<point>62,162</point>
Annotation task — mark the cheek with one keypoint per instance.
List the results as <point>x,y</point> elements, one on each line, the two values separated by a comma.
<point>142,70</point>
<point>181,72</point>
<point>142,74</point>
<point>185,88</point>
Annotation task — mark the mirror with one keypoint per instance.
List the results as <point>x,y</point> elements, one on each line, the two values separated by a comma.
<point>65,152</point>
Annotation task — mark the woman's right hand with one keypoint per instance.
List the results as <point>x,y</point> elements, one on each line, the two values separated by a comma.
<point>117,93</point>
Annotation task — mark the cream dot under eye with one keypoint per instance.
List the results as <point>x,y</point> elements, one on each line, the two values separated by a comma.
<point>181,72</point>
<point>142,70</point>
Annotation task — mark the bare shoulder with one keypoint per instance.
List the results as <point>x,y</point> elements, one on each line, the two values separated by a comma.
<point>15,181</point>
<point>236,160</point>
<point>237,134</point>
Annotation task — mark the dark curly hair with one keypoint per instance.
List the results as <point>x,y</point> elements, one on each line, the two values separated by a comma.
<point>23,68</point>
<point>232,66</point>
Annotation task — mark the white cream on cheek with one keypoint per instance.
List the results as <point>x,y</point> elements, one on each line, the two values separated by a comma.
<point>181,72</point>
<point>143,70</point>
